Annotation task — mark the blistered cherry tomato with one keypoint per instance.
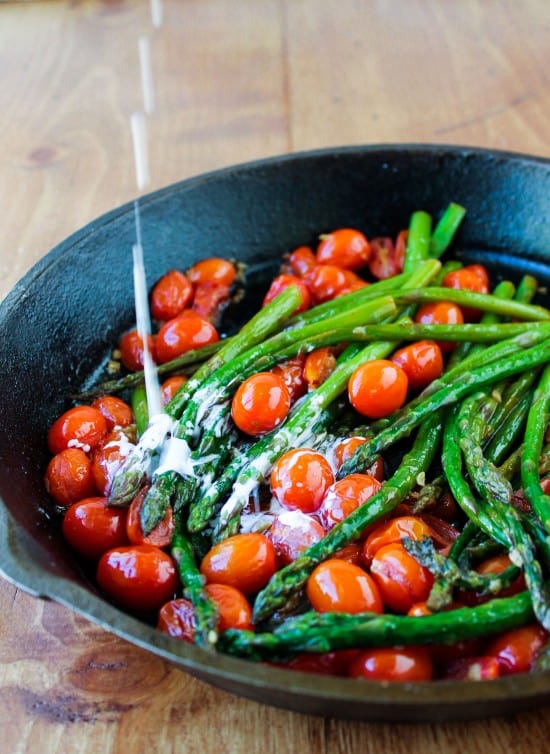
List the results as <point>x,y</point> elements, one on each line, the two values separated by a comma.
<point>302,260</point>
<point>131,350</point>
<point>292,532</point>
<point>393,531</point>
<point>378,388</point>
<point>344,496</point>
<point>92,527</point>
<point>471,278</point>
<point>440,313</point>
<point>171,295</point>
<point>517,649</point>
<point>401,579</point>
<point>383,261</point>
<point>422,362</point>
<point>292,372</point>
<point>471,669</point>
<point>346,448</point>
<point>351,553</point>
<point>338,586</point>
<point>177,619</point>
<point>260,403</point>
<point>319,365</point>
<point>212,270</point>
<point>326,281</point>
<point>346,247</point>
<point>69,477</point>
<point>209,301</point>
<point>353,283</point>
<point>160,536</point>
<point>108,457</point>
<point>117,412</point>
<point>186,332</point>
<point>245,561</point>
<point>281,282</point>
<point>140,578</point>
<point>81,427</point>
<point>393,664</point>
<point>170,387</point>
<point>300,479</point>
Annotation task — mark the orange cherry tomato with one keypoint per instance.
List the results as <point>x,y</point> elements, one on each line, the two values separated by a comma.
<point>260,403</point>
<point>302,260</point>
<point>393,664</point>
<point>108,457</point>
<point>91,527</point>
<point>131,350</point>
<point>440,313</point>
<point>171,295</point>
<point>319,365</point>
<point>281,282</point>
<point>339,586</point>
<point>393,531</point>
<point>245,561</point>
<point>402,581</point>
<point>292,372</point>
<point>117,413</point>
<point>170,387</point>
<point>185,333</point>
<point>300,479</point>
<point>346,448</point>
<point>160,536</point>
<point>81,427</point>
<point>212,270</point>
<point>69,477</point>
<point>378,388</point>
<point>292,532</point>
<point>140,578</point>
<point>325,282</point>
<point>517,649</point>
<point>472,278</point>
<point>344,496</point>
<point>346,247</point>
<point>422,362</point>
<point>384,261</point>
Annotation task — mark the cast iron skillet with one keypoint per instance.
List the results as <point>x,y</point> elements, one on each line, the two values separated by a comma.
<point>63,317</point>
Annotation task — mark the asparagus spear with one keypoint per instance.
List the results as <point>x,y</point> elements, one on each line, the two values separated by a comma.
<point>537,422</point>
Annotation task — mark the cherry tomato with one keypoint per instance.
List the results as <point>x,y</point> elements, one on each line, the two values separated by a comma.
<point>440,313</point>
<point>160,536</point>
<point>325,282</point>
<point>346,448</point>
<point>351,553</point>
<point>393,531</point>
<point>213,270</point>
<point>260,403</point>
<point>302,260</point>
<point>117,413</point>
<point>344,496</point>
<point>171,295</point>
<point>346,247</point>
<point>378,388</point>
<point>292,532</point>
<point>319,365</point>
<point>170,387</point>
<point>422,362</point>
<point>108,457</point>
<point>131,350</point>
<point>186,332</point>
<point>69,477</point>
<point>402,581</point>
<point>446,655</point>
<point>140,578</point>
<point>209,301</point>
<point>91,527</point>
<point>324,663</point>
<point>292,372</point>
<point>338,586</point>
<point>383,261</point>
<point>245,561</point>
<point>496,564</point>
<point>280,283</point>
<point>472,278</point>
<point>471,669</point>
<point>300,479</point>
<point>517,649</point>
<point>81,427</point>
<point>177,619</point>
<point>393,664</point>
<point>353,283</point>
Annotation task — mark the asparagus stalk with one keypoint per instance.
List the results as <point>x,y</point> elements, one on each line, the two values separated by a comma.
<point>445,229</point>
<point>537,422</point>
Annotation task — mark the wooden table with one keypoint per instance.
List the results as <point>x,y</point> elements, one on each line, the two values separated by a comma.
<point>234,81</point>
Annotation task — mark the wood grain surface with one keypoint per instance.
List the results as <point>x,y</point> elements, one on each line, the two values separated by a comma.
<point>234,81</point>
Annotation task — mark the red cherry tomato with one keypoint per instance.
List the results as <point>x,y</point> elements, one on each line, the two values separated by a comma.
<point>300,479</point>
<point>140,578</point>
<point>346,247</point>
<point>325,282</point>
<point>171,295</point>
<point>353,283</point>
<point>319,365</point>
<point>440,313</point>
<point>422,362</point>
<point>393,531</point>
<point>117,413</point>
<point>91,527</point>
<point>209,301</point>
<point>378,388</point>
<point>108,457</point>
<point>351,553</point>
<point>384,261</point>
<point>69,477</point>
<point>302,260</point>
<point>261,403</point>
<point>402,581</point>
<point>177,619</point>
<point>170,387</point>
<point>346,448</point>
<point>292,372</point>
<point>393,664</point>
<point>517,649</point>
<point>245,561</point>
<point>344,496</point>
<point>212,270</point>
<point>471,669</point>
<point>131,350</point>
<point>472,278</point>
<point>160,536</point>
<point>324,663</point>
<point>185,333</point>
<point>81,427</point>
<point>292,532</point>
<point>282,282</point>
<point>339,586</point>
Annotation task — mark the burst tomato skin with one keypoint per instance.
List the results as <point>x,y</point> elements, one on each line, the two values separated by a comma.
<point>402,581</point>
<point>117,413</point>
<point>344,496</point>
<point>300,478</point>
<point>80,427</point>
<point>516,650</point>
<point>108,457</point>
<point>391,532</point>
<point>281,282</point>
<point>260,403</point>
<point>292,372</point>
<point>378,388</point>
<point>339,586</point>
<point>393,664</point>
<point>140,578</point>
<point>185,332</point>
<point>347,248</point>
<point>386,258</point>
<point>422,362</point>
<point>245,561</point>
<point>319,365</point>
<point>91,527</point>
<point>212,270</point>
<point>69,477</point>
<point>171,295</point>
<point>131,350</point>
<point>291,533</point>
